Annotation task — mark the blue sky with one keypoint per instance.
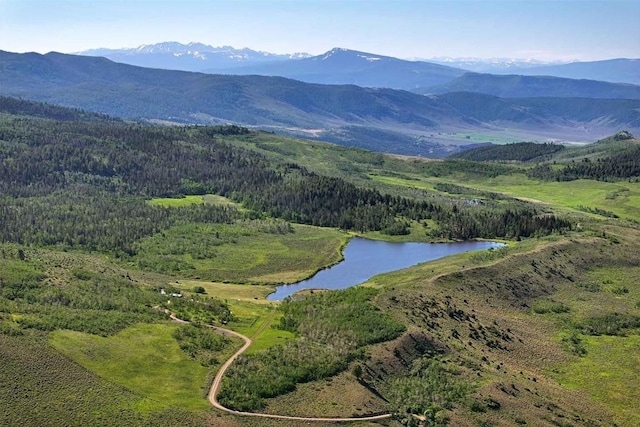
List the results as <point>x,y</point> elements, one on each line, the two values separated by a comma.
<point>538,29</point>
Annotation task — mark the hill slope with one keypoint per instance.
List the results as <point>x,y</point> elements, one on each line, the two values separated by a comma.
<point>619,70</point>
<point>516,86</point>
<point>100,85</point>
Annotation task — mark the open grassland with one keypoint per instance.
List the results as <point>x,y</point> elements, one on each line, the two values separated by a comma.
<point>42,387</point>
<point>228,291</point>
<point>610,373</point>
<point>258,322</point>
<point>158,369</point>
<point>620,198</point>
<point>212,199</point>
<point>242,253</point>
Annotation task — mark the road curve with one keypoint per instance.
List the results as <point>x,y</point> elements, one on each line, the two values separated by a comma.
<point>213,392</point>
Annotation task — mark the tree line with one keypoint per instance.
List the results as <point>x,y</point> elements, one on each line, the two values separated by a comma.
<point>82,183</point>
<point>624,165</point>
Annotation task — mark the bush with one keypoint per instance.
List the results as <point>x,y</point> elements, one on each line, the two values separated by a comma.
<point>610,324</point>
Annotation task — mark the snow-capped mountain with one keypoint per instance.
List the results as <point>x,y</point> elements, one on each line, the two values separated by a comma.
<point>190,57</point>
<point>490,65</point>
<point>345,66</point>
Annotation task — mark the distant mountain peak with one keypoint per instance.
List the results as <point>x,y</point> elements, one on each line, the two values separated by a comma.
<point>193,56</point>
<point>342,53</point>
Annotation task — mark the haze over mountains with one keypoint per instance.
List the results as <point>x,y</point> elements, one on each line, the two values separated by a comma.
<point>314,69</point>
<point>619,70</point>
<point>189,57</point>
<point>464,108</point>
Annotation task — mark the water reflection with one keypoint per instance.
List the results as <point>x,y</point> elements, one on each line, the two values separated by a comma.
<point>364,258</point>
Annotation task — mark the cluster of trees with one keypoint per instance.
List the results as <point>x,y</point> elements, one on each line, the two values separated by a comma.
<point>81,183</point>
<point>427,390</point>
<point>96,304</point>
<point>94,220</point>
<point>201,343</point>
<point>332,328</point>
<point>40,157</point>
<point>625,165</point>
<point>521,152</point>
<point>511,221</point>
<point>610,324</point>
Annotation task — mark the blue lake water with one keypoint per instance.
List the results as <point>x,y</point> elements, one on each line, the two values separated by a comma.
<point>364,258</point>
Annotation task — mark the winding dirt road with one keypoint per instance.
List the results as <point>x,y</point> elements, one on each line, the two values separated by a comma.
<point>215,386</point>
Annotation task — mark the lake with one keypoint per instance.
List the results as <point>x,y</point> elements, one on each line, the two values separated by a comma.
<point>364,258</point>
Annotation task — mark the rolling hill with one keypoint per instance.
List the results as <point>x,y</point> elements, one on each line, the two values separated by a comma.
<point>276,103</point>
<point>620,70</point>
<point>543,331</point>
<point>517,86</point>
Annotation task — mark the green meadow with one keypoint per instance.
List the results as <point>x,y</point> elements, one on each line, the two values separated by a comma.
<point>246,252</point>
<point>145,359</point>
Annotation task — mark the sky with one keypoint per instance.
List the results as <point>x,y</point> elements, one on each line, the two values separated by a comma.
<point>547,30</point>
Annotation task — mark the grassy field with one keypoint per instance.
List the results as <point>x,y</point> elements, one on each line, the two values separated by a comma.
<point>258,321</point>
<point>229,291</point>
<point>158,370</point>
<point>620,198</point>
<point>212,199</point>
<point>610,373</point>
<point>43,387</point>
<point>240,253</point>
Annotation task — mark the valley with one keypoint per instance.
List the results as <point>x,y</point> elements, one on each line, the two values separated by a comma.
<point>109,225</point>
<point>435,121</point>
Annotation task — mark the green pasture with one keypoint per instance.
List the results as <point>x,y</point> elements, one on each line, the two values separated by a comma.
<point>479,137</point>
<point>229,291</point>
<point>610,373</point>
<point>212,199</point>
<point>240,254</point>
<point>621,198</point>
<point>145,359</point>
<point>257,321</point>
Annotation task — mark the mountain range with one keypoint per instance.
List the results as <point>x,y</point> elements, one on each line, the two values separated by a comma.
<point>189,57</point>
<point>351,114</point>
<point>344,66</point>
<point>379,69</point>
<point>518,86</point>
<point>620,70</point>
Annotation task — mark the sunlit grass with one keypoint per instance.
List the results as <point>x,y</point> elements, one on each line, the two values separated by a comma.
<point>213,199</point>
<point>229,291</point>
<point>235,253</point>
<point>610,372</point>
<point>621,198</point>
<point>145,359</point>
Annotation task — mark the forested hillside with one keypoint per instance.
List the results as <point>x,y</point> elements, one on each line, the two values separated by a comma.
<point>523,152</point>
<point>66,177</point>
<point>108,226</point>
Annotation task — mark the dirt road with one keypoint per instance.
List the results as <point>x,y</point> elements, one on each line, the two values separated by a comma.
<point>215,386</point>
